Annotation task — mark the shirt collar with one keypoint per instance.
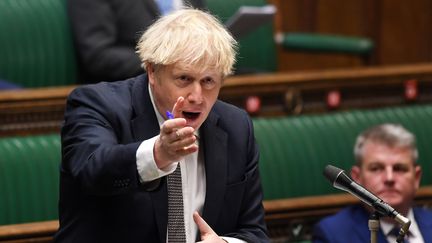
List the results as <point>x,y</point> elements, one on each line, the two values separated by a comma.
<point>413,230</point>
<point>158,115</point>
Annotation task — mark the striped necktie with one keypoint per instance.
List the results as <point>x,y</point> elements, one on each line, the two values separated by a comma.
<point>176,225</point>
<point>395,232</point>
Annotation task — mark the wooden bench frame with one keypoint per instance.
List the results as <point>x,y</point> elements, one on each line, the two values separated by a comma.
<point>40,110</point>
<point>308,91</point>
<point>283,217</point>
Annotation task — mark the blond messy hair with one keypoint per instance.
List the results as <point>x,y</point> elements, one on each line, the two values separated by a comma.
<point>191,37</point>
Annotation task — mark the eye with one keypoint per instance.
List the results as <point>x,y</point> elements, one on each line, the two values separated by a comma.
<point>208,83</point>
<point>375,168</point>
<point>400,168</point>
<point>184,78</point>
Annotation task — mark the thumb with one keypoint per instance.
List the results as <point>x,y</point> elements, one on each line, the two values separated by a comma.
<point>205,230</point>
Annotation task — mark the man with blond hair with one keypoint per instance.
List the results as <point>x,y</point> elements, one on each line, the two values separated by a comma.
<point>139,153</point>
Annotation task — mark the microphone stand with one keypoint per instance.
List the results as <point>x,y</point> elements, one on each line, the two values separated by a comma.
<point>374,226</point>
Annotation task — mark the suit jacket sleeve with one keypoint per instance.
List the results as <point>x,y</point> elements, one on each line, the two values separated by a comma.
<point>96,142</point>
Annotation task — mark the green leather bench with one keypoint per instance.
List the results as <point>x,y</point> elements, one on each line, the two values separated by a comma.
<point>29,178</point>
<point>36,47</point>
<point>294,152</point>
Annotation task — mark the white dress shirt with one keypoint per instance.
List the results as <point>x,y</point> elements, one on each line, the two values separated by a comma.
<point>193,179</point>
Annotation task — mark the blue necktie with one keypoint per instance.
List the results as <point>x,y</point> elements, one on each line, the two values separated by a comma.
<point>165,6</point>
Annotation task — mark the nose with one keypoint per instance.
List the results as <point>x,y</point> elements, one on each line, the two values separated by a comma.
<point>195,93</point>
<point>389,176</point>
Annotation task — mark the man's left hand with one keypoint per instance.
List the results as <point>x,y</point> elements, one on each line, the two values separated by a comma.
<point>207,233</point>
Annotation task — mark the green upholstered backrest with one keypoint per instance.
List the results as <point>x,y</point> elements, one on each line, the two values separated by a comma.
<point>36,47</point>
<point>311,42</point>
<point>257,50</point>
<point>295,150</point>
<point>29,172</point>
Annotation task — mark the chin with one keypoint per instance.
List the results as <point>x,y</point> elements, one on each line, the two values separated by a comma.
<point>392,201</point>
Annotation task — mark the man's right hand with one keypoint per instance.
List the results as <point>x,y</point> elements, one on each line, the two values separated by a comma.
<point>175,141</point>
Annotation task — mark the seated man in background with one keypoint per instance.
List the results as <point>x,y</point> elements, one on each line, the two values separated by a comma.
<point>144,158</point>
<point>105,33</point>
<point>386,165</point>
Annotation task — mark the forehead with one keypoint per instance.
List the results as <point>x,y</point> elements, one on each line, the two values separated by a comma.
<point>195,70</point>
<point>381,153</point>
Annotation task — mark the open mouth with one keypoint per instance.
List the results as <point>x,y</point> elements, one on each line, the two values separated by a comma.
<point>191,115</point>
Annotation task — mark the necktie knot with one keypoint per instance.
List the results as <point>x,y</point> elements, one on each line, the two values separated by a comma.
<point>395,232</point>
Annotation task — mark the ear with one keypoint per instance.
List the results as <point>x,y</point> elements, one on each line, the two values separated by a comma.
<point>355,173</point>
<point>150,72</point>
<point>418,173</point>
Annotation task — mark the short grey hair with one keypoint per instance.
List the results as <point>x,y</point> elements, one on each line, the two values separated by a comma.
<point>389,134</point>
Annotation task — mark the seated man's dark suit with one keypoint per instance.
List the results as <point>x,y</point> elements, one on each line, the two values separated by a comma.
<point>101,197</point>
<point>351,225</point>
<point>105,33</point>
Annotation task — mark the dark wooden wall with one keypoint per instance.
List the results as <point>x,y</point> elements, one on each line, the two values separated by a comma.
<point>401,30</point>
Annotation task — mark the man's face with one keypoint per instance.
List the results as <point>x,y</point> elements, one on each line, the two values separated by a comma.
<point>389,173</point>
<point>199,88</point>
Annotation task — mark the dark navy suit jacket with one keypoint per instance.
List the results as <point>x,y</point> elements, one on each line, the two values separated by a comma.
<point>101,198</point>
<point>351,225</point>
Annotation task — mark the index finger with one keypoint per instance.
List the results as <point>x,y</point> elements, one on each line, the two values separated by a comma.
<point>176,111</point>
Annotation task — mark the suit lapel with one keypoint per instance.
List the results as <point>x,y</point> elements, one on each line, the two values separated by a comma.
<point>424,222</point>
<point>215,156</point>
<point>145,126</point>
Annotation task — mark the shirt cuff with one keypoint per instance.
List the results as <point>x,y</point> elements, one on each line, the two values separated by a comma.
<point>146,164</point>
<point>232,240</point>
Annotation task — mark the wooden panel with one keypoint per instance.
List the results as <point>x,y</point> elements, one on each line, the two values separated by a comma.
<point>306,92</point>
<point>399,29</point>
<point>324,17</point>
<point>33,111</point>
<point>405,32</point>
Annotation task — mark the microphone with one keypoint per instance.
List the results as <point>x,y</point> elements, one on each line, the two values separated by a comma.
<point>342,181</point>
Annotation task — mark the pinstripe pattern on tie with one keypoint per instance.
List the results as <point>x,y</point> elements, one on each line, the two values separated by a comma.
<point>176,225</point>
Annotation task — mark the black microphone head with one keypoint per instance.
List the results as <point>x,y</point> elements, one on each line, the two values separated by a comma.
<point>331,173</point>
